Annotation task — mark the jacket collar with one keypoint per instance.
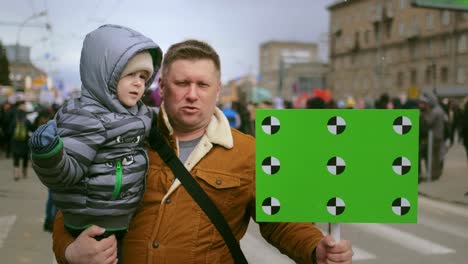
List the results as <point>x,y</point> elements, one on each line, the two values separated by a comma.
<point>218,131</point>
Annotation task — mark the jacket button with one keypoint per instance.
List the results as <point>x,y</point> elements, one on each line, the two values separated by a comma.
<point>218,182</point>
<point>168,200</point>
<point>155,244</point>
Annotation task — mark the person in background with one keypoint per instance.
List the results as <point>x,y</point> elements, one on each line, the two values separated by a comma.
<point>7,119</point>
<point>241,108</point>
<point>19,130</point>
<point>435,119</point>
<point>464,129</point>
<point>232,115</point>
<point>169,226</point>
<point>315,103</point>
<point>464,125</point>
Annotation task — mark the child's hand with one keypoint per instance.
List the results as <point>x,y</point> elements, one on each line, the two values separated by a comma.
<point>45,138</point>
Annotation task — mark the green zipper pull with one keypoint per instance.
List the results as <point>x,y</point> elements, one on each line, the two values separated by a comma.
<point>118,179</point>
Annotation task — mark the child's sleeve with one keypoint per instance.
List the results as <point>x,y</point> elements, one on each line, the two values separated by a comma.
<point>81,134</point>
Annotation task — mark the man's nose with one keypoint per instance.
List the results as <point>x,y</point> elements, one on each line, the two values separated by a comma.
<point>192,92</point>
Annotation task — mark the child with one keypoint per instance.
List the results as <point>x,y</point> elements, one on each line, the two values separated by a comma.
<point>92,156</point>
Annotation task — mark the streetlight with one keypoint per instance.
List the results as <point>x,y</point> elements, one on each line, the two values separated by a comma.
<point>21,26</point>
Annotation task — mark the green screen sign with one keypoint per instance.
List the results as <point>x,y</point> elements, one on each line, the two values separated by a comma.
<point>443,4</point>
<point>337,166</point>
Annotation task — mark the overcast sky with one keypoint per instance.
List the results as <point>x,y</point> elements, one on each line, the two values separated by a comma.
<point>234,28</point>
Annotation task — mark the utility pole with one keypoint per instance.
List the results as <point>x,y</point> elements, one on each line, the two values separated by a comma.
<point>21,26</point>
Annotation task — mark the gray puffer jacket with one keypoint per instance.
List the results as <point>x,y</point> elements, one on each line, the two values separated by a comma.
<point>97,172</point>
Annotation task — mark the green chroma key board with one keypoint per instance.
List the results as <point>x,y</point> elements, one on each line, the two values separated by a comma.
<point>337,165</point>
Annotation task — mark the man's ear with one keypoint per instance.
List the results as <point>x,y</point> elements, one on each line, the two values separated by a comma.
<point>161,87</point>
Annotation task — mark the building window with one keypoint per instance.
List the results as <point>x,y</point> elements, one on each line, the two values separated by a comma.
<point>444,75</point>
<point>400,79</point>
<point>377,32</point>
<point>402,4</point>
<point>389,8</point>
<point>429,74</point>
<point>429,47</point>
<point>412,49</point>
<point>378,12</point>
<point>402,29</point>
<point>388,56</point>
<point>337,41</point>
<point>462,45</point>
<point>348,42</point>
<point>430,21</point>
<point>388,29</point>
<point>307,84</point>
<point>461,75</point>
<point>366,36</point>
<point>370,12</point>
<point>445,18</point>
<point>414,76</point>
<point>446,46</point>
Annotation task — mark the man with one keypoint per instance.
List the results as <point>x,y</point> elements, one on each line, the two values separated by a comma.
<point>436,121</point>
<point>169,227</point>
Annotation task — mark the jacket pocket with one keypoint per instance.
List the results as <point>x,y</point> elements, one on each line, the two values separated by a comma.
<point>218,181</point>
<point>221,188</point>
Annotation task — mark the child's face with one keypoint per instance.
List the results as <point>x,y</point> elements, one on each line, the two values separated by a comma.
<point>131,87</point>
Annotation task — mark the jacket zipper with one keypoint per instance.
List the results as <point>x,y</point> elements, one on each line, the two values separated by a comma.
<point>118,180</point>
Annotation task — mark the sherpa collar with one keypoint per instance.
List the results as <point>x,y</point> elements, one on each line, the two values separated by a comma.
<point>218,130</point>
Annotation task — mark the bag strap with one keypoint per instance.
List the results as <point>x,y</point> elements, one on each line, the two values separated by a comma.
<point>158,143</point>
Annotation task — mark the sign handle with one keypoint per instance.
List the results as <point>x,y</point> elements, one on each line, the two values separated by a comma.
<point>334,229</point>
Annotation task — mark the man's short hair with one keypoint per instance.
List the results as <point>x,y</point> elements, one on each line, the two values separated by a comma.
<point>189,50</point>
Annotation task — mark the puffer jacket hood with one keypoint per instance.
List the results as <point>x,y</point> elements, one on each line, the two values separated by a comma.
<point>105,53</point>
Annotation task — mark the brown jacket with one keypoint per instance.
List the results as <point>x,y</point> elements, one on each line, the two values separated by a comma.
<point>169,227</point>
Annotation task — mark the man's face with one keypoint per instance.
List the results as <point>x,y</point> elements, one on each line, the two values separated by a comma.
<point>131,87</point>
<point>190,94</point>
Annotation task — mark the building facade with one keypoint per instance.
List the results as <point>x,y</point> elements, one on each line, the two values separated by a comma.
<point>25,77</point>
<point>290,68</point>
<point>390,46</point>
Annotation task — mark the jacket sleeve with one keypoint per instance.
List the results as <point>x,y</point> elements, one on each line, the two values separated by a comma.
<point>81,134</point>
<point>61,239</point>
<point>296,240</point>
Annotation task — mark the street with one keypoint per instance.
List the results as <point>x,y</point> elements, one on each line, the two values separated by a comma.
<point>440,236</point>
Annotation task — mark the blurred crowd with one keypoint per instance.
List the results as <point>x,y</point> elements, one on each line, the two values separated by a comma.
<point>443,122</point>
